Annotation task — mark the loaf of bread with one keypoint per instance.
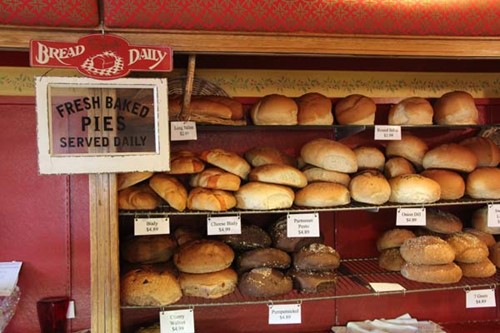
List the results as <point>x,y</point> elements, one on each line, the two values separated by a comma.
<point>391,260</point>
<point>427,250</point>
<point>278,232</point>
<point>442,222</point>
<point>485,237</point>
<point>251,237</point>
<point>316,174</point>
<point>486,151</point>
<point>216,178</point>
<point>451,156</point>
<point>228,161</point>
<point>312,282</point>
<point>355,110</point>
<point>414,188</point>
<point>410,147</point>
<point>262,155</point>
<point>237,111</point>
<point>483,183</point>
<point>185,162</point>
<point>397,166</point>
<point>411,111</point>
<point>468,248</point>
<point>280,174</point>
<point>316,257</point>
<point>455,108</point>
<point>203,256</point>
<point>439,274</point>
<point>139,197</point>
<point>495,254</point>
<point>479,221</point>
<point>314,109</point>
<point>184,235</point>
<point>212,106</point>
<point>212,200</point>
<point>329,155</point>
<point>482,269</point>
<point>322,194</point>
<point>370,187</point>
<point>274,109</point>
<point>393,238</point>
<point>265,257</point>
<point>209,285</point>
<point>264,283</point>
<point>369,158</point>
<point>263,196</point>
<point>148,249</point>
<point>170,189</point>
<point>452,183</point>
<point>128,179</point>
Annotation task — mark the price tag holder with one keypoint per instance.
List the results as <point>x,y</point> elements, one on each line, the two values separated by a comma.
<point>387,132</point>
<point>183,131</point>
<point>410,216</point>
<point>285,314</point>
<point>480,298</point>
<point>178,321</point>
<point>224,225</point>
<point>302,225</point>
<point>493,215</point>
<point>151,226</point>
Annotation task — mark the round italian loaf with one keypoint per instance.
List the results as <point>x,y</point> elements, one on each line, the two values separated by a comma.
<point>314,109</point>
<point>170,189</point>
<point>414,188</point>
<point>329,155</point>
<point>185,162</point>
<point>278,174</point>
<point>316,174</point>
<point>485,237</point>
<point>140,197</point>
<point>212,200</point>
<point>316,257</point>
<point>228,161</point>
<point>439,274</point>
<point>451,156</point>
<point>274,109</point>
<point>483,183</point>
<point>203,256</point>
<point>452,183</point>
<point>468,248</point>
<point>263,196</point>
<point>486,151</point>
<point>263,155</point>
<point>128,179</point>
<point>391,260</point>
<point>482,269</point>
<point>209,285</point>
<point>396,166</point>
<point>442,222</point>
<point>370,187</point>
<point>393,238</point>
<point>369,158</point>
<point>148,249</point>
<point>411,111</point>
<point>264,283</point>
<point>409,147</point>
<point>427,250</point>
<point>355,110</point>
<point>322,194</point>
<point>216,178</point>
<point>267,257</point>
<point>455,108</point>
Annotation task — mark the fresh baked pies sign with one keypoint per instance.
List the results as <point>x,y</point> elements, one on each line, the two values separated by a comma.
<point>101,56</point>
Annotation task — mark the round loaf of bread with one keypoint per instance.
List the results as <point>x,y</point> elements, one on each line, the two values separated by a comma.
<point>228,161</point>
<point>274,109</point>
<point>251,237</point>
<point>486,151</point>
<point>414,188</point>
<point>209,285</point>
<point>397,166</point>
<point>456,108</point>
<point>410,147</point>
<point>329,155</point>
<point>316,174</point>
<point>312,282</point>
<point>314,109</point>
<point>482,269</point>
<point>212,200</point>
<point>185,162</point>
<point>483,183</point>
<point>258,156</point>
<point>322,194</point>
<point>149,287</point>
<point>148,249</point>
<point>138,197</point>
<point>370,187</point>
<point>128,179</point>
<point>267,257</point>
<point>452,183</point>
<point>495,254</point>
<point>184,235</point>
<point>263,196</point>
<point>479,221</point>
<point>216,178</point>
<point>411,111</point>
<point>278,232</point>
<point>391,259</point>
<point>393,238</point>
<point>468,248</point>
<point>316,257</point>
<point>369,158</point>
<point>427,250</point>
<point>264,283</point>
<point>280,174</point>
<point>440,274</point>
<point>170,189</point>
<point>442,222</point>
<point>355,110</point>
<point>451,156</point>
<point>203,256</point>
<point>485,237</point>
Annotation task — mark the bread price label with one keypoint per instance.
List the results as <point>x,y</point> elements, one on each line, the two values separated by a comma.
<point>481,298</point>
<point>302,225</point>
<point>493,215</point>
<point>224,225</point>
<point>387,132</point>
<point>285,314</point>
<point>410,216</point>
<point>177,321</point>
<point>183,131</point>
<point>151,226</point>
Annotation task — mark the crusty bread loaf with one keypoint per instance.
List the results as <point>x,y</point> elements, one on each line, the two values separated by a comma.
<point>228,161</point>
<point>427,250</point>
<point>369,158</point>
<point>355,110</point>
<point>212,200</point>
<point>482,269</point>
<point>411,111</point>
<point>370,187</point>
<point>329,155</point>
<point>312,282</point>
<point>393,238</point>
<point>322,194</point>
<point>185,234</point>
<point>209,285</point>
<point>264,283</point>
<point>200,105</point>
<point>413,188</point>
<point>185,162</point>
<point>280,174</point>
<point>128,179</point>
<point>263,196</point>
<point>442,222</point>
<point>140,197</point>
<point>149,249</point>
<point>483,183</point>
<point>452,183</point>
<point>316,257</point>
<point>274,109</point>
<point>314,109</point>
<point>170,189</point>
<point>251,237</point>
<point>265,257</point>
<point>278,232</point>
<point>316,174</point>
<point>216,178</point>
<point>439,274</point>
<point>391,259</point>
<point>485,237</point>
<point>410,147</point>
<point>468,248</point>
<point>237,111</point>
<point>451,156</point>
<point>455,108</point>
<point>203,256</point>
<point>495,254</point>
<point>486,151</point>
<point>397,166</point>
<point>262,155</point>
<point>479,221</point>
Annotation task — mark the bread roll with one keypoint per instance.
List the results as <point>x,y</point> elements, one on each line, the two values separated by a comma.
<point>278,232</point>
<point>450,156</point>
<point>148,249</point>
<point>216,178</point>
<point>442,222</point>
<point>486,151</point>
<point>274,109</point>
<point>316,257</point>
<point>185,162</point>
<point>468,248</point>
<point>329,155</point>
<point>262,196</point>
<point>427,250</point>
<point>258,156</point>
<point>266,257</point>
<point>483,183</point>
<point>480,221</point>
<point>410,147</point>
<point>185,234</point>
<point>411,111</point>
<point>203,256</point>
<point>170,189</point>
<point>495,254</point>
<point>209,285</point>
<point>413,188</point>
<point>314,109</point>
<point>149,287</point>
<point>369,158</point>
<point>278,174</point>
<point>455,108</point>
<point>315,174</point>
<point>485,237</point>
<point>391,260</point>
<point>264,282</point>
<point>393,238</point>
<point>452,183</point>
<point>370,187</point>
<point>128,179</point>
<point>228,161</point>
<point>138,198</point>
<point>355,110</point>
<point>312,282</point>
<point>397,166</point>
<point>251,237</point>
<point>322,194</point>
<point>439,274</point>
<point>212,200</point>
<point>482,269</point>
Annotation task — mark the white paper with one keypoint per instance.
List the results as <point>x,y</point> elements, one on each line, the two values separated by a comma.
<point>151,226</point>
<point>410,217</point>
<point>387,132</point>
<point>480,298</point>
<point>70,314</point>
<point>493,215</point>
<point>224,225</point>
<point>285,314</point>
<point>177,321</point>
<point>183,131</point>
<point>385,287</point>
<point>302,225</point>
<point>9,274</point>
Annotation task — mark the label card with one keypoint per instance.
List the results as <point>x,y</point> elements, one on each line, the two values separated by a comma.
<point>481,298</point>
<point>70,313</point>
<point>177,321</point>
<point>285,314</point>
<point>183,131</point>
<point>224,225</point>
<point>151,226</point>
<point>410,216</point>
<point>386,287</point>
<point>493,215</point>
<point>302,225</point>
<point>387,132</point>
<point>9,274</point>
